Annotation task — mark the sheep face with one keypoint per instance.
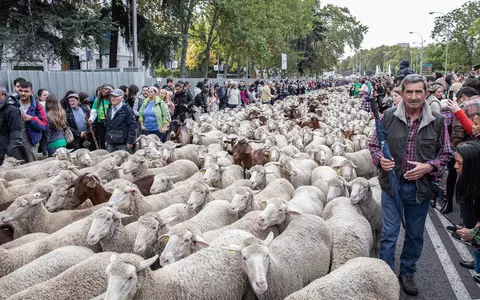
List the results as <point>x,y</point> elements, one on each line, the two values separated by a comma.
<point>322,157</point>
<point>147,233</point>
<point>363,143</point>
<point>58,199</point>
<point>198,196</point>
<point>102,222</point>
<point>336,188</point>
<point>269,142</point>
<point>152,153</point>
<point>122,276</point>
<point>347,170</point>
<point>360,190</point>
<point>64,177</point>
<point>255,261</point>
<point>275,213</point>
<point>121,198</point>
<point>134,164</point>
<point>258,176</point>
<point>212,174</point>
<point>240,201</point>
<point>85,160</point>
<point>160,184</point>
<point>166,153</point>
<point>181,242</point>
<point>338,149</point>
<point>21,207</point>
<point>62,154</point>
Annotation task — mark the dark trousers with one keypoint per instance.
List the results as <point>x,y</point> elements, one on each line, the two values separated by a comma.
<point>100,134</point>
<point>451,181</point>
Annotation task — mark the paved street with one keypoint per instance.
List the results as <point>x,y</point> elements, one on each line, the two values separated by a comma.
<point>439,274</point>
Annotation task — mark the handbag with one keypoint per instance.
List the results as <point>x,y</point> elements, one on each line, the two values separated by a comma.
<point>68,135</point>
<point>116,136</point>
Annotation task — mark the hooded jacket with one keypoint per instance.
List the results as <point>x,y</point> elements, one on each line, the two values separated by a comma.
<point>38,123</point>
<point>10,129</point>
<point>404,70</point>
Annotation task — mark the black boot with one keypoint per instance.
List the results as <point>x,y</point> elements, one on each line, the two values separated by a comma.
<point>408,284</point>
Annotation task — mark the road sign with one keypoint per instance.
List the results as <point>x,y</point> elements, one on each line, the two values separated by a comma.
<point>284,61</point>
<point>427,68</point>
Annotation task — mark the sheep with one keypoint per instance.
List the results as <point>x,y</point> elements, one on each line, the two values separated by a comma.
<point>43,268</point>
<point>320,177</point>
<point>337,187</point>
<point>184,238</point>
<point>349,282</point>
<point>321,154</point>
<point>37,218</point>
<point>299,171</point>
<point>189,152</point>
<point>178,170</point>
<point>163,183</point>
<point>108,231</point>
<point>24,239</point>
<point>352,236</point>
<point>258,176</point>
<point>86,186</point>
<point>221,177</point>
<point>371,208</point>
<point>83,281</point>
<point>153,224</point>
<point>46,169</point>
<point>278,267</point>
<point>276,212</point>
<point>202,193</point>
<point>59,199</point>
<point>281,188</point>
<point>338,149</point>
<point>10,163</point>
<point>73,234</point>
<point>135,168</point>
<point>308,200</point>
<point>107,170</point>
<point>64,177</point>
<point>247,223</point>
<point>363,160</point>
<point>203,275</point>
<point>82,158</point>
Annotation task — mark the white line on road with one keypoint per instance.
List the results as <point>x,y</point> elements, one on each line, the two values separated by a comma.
<point>455,281</point>
<point>460,246</point>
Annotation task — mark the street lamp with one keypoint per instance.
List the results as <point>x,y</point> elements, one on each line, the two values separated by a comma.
<point>446,46</point>
<point>421,53</point>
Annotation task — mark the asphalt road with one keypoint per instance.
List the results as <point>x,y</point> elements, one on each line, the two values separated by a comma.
<point>439,274</point>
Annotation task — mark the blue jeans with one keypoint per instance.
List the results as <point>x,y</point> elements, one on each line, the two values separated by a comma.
<point>415,215</point>
<point>476,256</point>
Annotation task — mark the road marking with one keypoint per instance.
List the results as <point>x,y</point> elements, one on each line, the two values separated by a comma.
<point>461,247</point>
<point>455,281</point>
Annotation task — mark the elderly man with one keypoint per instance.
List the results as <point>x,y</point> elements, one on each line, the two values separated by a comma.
<point>10,127</point>
<point>121,125</point>
<point>420,146</point>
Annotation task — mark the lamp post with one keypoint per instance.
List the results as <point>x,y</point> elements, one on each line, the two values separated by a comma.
<point>448,37</point>
<point>421,53</point>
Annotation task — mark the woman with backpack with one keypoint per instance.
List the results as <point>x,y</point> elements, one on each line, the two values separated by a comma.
<point>154,115</point>
<point>55,134</point>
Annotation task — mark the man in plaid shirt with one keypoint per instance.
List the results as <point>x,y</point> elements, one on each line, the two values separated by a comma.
<point>420,146</point>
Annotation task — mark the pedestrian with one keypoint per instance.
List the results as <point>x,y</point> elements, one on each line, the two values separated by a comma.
<point>467,163</point>
<point>201,102</point>
<point>154,114</point>
<point>222,95</point>
<point>64,101</point>
<point>420,147</point>
<point>436,95</point>
<point>212,101</point>
<point>183,103</point>
<point>57,123</point>
<point>266,94</point>
<point>35,121</point>
<point>77,118</point>
<point>234,99</point>
<point>10,128</point>
<point>42,95</point>
<point>83,99</point>
<point>120,124</point>
<point>198,89</point>
<point>169,86</point>
<point>168,100</point>
<point>98,115</point>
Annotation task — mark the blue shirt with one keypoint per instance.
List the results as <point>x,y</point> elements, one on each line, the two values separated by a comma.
<point>79,119</point>
<point>149,118</point>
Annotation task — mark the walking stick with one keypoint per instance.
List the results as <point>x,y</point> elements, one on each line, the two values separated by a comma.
<point>89,125</point>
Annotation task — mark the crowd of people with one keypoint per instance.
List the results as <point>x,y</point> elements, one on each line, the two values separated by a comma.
<point>115,117</point>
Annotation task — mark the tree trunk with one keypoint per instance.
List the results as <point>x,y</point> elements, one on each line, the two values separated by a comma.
<point>116,14</point>
<point>210,40</point>
<point>225,68</point>
<point>185,27</point>
<point>239,69</point>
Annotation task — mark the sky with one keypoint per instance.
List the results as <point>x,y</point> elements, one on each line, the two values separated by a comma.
<point>389,22</point>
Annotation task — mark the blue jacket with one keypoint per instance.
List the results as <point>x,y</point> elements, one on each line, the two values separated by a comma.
<point>123,120</point>
<point>39,122</point>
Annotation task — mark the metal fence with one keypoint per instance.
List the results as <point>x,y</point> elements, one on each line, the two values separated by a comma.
<point>59,83</point>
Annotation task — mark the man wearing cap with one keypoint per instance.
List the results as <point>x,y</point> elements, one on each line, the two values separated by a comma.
<point>99,111</point>
<point>77,116</point>
<point>121,125</point>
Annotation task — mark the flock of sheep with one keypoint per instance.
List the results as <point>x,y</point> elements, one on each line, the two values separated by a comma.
<point>264,202</point>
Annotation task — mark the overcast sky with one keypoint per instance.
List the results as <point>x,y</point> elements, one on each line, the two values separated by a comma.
<point>389,22</point>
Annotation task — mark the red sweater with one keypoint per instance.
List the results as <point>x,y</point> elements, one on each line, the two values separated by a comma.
<point>465,121</point>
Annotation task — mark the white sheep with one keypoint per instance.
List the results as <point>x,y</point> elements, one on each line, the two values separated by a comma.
<point>220,176</point>
<point>276,212</point>
<point>164,183</point>
<point>320,177</point>
<point>278,267</point>
<point>321,154</point>
<point>24,240</point>
<point>350,282</point>
<point>43,268</point>
<point>363,160</point>
<point>308,200</point>
<point>202,193</point>
<point>178,170</point>
<point>83,281</point>
<point>337,187</point>
<point>172,153</point>
<point>211,273</point>
<point>352,234</point>
<point>185,238</point>
<point>298,171</point>
<point>33,215</point>
<point>108,231</point>
<point>371,208</point>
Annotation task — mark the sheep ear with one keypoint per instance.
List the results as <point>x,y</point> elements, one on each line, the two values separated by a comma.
<point>269,239</point>
<point>233,248</point>
<point>173,177</point>
<point>119,215</point>
<point>199,240</point>
<point>113,258</point>
<point>147,263</point>
<point>169,220</point>
<point>110,190</point>
<point>37,201</point>
<point>163,238</point>
<point>212,189</point>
